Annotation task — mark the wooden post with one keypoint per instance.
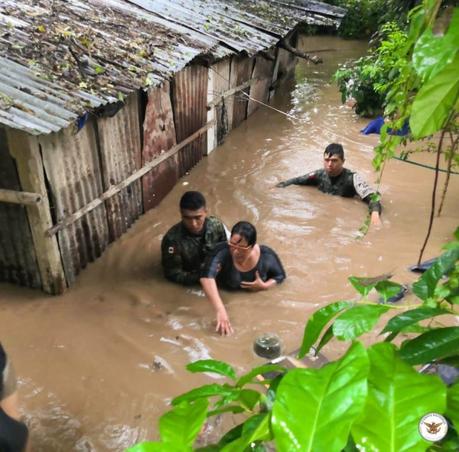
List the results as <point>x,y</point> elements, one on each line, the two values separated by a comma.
<point>19,197</point>
<point>25,150</point>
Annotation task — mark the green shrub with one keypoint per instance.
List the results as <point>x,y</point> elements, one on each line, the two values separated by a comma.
<point>368,79</point>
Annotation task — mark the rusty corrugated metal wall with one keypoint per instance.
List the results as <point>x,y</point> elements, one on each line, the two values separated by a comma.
<point>72,167</point>
<point>18,263</point>
<point>189,100</point>
<point>159,135</point>
<point>120,156</point>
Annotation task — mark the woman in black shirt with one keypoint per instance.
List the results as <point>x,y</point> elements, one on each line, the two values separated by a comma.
<point>239,264</point>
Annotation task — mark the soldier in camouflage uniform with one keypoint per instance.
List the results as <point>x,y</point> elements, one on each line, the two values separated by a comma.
<point>334,179</point>
<point>186,244</point>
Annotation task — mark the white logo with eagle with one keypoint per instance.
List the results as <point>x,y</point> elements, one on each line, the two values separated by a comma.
<point>433,427</point>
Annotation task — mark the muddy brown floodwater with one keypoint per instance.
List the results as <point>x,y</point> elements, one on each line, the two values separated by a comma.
<point>99,364</point>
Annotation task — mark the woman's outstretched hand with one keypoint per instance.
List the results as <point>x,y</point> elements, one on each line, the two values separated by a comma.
<point>257,284</point>
<point>223,324</point>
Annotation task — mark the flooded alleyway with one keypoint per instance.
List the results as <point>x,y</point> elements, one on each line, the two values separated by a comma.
<point>99,364</point>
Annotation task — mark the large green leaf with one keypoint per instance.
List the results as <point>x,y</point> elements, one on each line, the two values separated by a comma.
<point>432,53</point>
<point>214,366</point>
<point>424,288</point>
<point>210,390</point>
<point>357,320</point>
<point>435,101</point>
<point>255,429</point>
<point>452,410</point>
<point>181,425</point>
<point>315,408</point>
<point>388,289</point>
<point>430,346</point>
<point>249,376</point>
<point>408,318</point>
<point>362,285</point>
<point>398,397</point>
<point>317,322</point>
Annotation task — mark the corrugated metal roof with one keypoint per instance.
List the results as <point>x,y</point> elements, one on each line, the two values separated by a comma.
<point>60,58</point>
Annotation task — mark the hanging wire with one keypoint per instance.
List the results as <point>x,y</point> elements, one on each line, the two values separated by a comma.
<point>241,91</point>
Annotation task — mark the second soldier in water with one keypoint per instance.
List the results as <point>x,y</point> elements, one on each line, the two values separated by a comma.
<point>334,179</point>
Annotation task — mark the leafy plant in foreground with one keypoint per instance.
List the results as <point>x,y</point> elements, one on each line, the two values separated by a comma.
<point>371,397</point>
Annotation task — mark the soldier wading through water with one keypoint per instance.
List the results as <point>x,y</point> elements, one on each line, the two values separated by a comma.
<point>187,244</point>
<point>334,179</point>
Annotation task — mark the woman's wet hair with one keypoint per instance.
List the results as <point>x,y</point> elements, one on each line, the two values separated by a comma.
<point>192,200</point>
<point>335,149</point>
<point>246,230</point>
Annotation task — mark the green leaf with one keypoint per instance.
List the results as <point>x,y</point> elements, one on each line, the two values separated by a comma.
<point>362,285</point>
<point>430,346</point>
<point>398,322</point>
<point>432,53</point>
<point>357,321</point>
<point>388,289</point>
<point>317,322</point>
<point>235,409</point>
<point>435,101</point>
<point>424,287</point>
<point>249,398</point>
<point>214,366</point>
<point>452,409</point>
<point>315,408</point>
<point>325,339</point>
<point>255,430</point>
<point>210,390</point>
<point>398,397</point>
<point>181,425</point>
<point>249,376</point>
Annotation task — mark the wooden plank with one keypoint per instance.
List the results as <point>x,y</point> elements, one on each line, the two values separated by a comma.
<point>158,136</point>
<point>18,261</point>
<point>25,149</point>
<point>218,87</point>
<point>69,220</point>
<point>72,167</point>
<point>120,156</point>
<point>241,70</point>
<point>19,197</point>
<point>259,91</point>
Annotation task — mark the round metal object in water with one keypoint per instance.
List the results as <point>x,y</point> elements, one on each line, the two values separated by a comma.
<point>267,346</point>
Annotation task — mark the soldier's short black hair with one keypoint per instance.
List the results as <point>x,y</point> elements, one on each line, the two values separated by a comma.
<point>335,149</point>
<point>192,200</point>
<point>246,230</point>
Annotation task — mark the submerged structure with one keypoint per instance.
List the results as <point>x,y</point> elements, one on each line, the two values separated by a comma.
<point>105,104</point>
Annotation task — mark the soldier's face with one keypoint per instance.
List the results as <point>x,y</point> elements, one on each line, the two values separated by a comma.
<point>194,220</point>
<point>333,165</point>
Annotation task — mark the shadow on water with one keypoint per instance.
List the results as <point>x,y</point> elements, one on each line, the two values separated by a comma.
<point>99,364</point>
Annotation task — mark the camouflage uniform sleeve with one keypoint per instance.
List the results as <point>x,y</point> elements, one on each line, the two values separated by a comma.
<point>367,194</point>
<point>171,260</point>
<point>307,179</point>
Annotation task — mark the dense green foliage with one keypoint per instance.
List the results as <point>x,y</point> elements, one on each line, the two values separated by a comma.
<point>370,397</point>
<point>369,79</point>
<point>364,17</point>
